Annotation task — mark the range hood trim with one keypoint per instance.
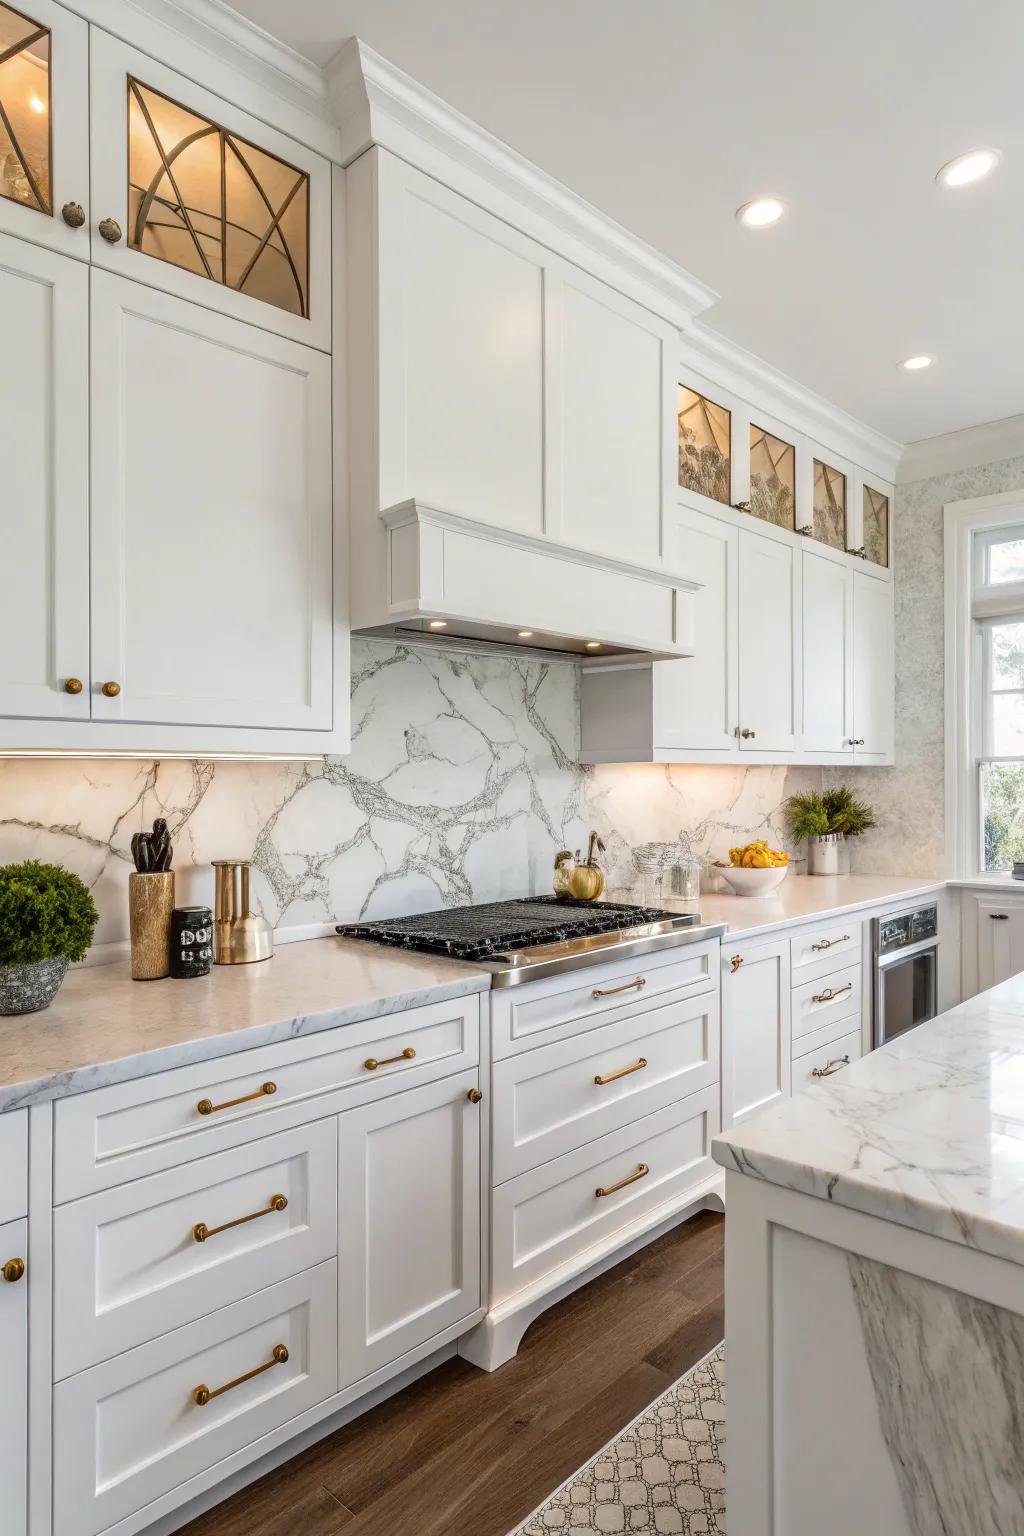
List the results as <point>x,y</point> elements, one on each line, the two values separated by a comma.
<point>440,565</point>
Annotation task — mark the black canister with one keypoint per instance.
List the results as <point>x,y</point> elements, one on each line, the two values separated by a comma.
<point>191,941</point>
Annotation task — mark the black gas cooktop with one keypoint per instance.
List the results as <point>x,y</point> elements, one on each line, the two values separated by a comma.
<point>511,937</point>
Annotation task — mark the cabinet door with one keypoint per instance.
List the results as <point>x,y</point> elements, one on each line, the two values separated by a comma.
<point>409,1221</point>
<point>14,1354</point>
<point>44,483</point>
<point>211,517</point>
<point>1000,940</point>
<point>192,195</point>
<point>827,654</point>
<point>874,664</point>
<point>768,622</point>
<point>609,418</point>
<point>756,1022</point>
<point>44,126</point>
<point>695,701</point>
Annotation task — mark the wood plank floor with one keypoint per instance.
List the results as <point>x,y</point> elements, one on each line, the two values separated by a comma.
<point>464,1453</point>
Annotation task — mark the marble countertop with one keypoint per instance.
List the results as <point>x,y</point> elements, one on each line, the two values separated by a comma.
<point>104,1028</point>
<point>927,1132</point>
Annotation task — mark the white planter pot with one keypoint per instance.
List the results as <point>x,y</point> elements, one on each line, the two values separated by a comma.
<point>828,855</point>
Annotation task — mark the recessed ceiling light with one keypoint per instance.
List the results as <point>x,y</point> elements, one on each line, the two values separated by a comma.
<point>917,362</point>
<point>761,212</point>
<point>525,634</point>
<point>972,166</point>
<point>439,623</point>
<point>593,645</point>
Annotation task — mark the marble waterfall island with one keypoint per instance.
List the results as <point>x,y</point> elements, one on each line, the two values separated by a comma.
<point>875,1290</point>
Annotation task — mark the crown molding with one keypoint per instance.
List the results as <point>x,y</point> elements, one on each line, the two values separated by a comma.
<point>759,384</point>
<point>377,103</point>
<point>969,448</point>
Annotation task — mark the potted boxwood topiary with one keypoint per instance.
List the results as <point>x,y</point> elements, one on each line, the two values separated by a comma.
<point>47,918</point>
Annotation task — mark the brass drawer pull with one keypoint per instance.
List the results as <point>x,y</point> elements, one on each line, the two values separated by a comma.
<point>829,994</point>
<point>827,943</point>
<point>635,985</point>
<point>631,1178</point>
<point>13,1270</point>
<point>613,1077</point>
<point>371,1063</point>
<point>204,1394</point>
<point>208,1107</point>
<point>832,1066</point>
<point>201,1231</point>
<point>735,962</point>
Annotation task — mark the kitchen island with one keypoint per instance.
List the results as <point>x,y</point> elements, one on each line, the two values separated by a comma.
<point>875,1291</point>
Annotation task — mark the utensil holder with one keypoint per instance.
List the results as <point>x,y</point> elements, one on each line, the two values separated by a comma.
<point>150,904</point>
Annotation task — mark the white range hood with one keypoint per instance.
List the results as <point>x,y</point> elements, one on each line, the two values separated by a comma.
<point>450,577</point>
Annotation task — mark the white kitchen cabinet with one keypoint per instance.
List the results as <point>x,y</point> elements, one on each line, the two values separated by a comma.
<point>999,927</point>
<point>768,596</point>
<point>409,1221</point>
<point>44,507</point>
<point>193,195</point>
<point>212,518</point>
<point>828,655</point>
<point>695,703</point>
<point>14,1354</point>
<point>44,180</point>
<point>756,1028</point>
<point>874,664</point>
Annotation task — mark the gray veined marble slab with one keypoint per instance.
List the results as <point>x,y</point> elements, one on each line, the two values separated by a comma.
<point>927,1132</point>
<point>104,1028</point>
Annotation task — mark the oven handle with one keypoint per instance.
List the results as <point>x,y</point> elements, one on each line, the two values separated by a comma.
<point>883,962</point>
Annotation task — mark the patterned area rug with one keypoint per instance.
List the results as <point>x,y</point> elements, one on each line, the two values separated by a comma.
<point>663,1475</point>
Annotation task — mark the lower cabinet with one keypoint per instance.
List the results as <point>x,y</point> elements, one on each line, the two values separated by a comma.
<point>756,1026</point>
<point>409,1221</point>
<point>992,938</point>
<point>14,1355</point>
<point>826,1059</point>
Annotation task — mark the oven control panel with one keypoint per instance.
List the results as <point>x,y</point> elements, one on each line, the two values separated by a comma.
<point>906,929</point>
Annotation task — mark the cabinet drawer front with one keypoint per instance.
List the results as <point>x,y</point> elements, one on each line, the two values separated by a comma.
<point>828,1059</point>
<point>13,1164</point>
<point>824,949</point>
<point>114,1134</point>
<point>134,1267</point>
<point>542,1011</point>
<point>130,1430</point>
<point>554,1214</point>
<point>816,1003</point>
<point>549,1101</point>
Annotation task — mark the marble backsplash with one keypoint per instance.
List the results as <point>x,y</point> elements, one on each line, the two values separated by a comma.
<point>462,782</point>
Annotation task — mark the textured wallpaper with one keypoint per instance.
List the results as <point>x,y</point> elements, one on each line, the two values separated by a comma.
<point>909,797</point>
<point>462,782</point>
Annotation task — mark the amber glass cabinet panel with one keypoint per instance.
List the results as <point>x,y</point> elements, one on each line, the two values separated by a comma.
<point>829,505</point>
<point>704,445</point>
<point>876,526</point>
<point>25,146</point>
<point>772,478</point>
<point>209,201</point>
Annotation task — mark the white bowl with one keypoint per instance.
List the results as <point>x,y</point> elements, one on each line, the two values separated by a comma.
<point>754,882</point>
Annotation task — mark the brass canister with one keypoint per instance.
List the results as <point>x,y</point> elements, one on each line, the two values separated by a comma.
<point>150,904</point>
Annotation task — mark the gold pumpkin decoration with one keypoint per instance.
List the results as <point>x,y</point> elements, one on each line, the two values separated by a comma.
<point>586,883</point>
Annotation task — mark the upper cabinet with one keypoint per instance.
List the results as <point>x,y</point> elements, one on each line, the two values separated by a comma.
<point>194,196</point>
<point>44,126</point>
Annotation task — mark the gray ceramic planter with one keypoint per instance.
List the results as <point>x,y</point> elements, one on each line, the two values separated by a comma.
<point>28,988</point>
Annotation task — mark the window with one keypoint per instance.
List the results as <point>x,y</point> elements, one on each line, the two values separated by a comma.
<point>997,622</point>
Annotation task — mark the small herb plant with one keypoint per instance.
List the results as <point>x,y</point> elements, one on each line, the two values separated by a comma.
<point>45,911</point>
<point>833,811</point>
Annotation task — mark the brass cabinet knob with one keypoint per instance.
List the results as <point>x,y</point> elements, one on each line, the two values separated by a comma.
<point>73,215</point>
<point>72,685</point>
<point>474,1095</point>
<point>110,229</point>
<point>13,1270</point>
<point>110,690</point>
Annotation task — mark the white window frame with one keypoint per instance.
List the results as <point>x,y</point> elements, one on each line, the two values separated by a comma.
<point>970,526</point>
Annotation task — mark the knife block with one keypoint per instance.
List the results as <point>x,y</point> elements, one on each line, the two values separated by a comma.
<point>150,904</point>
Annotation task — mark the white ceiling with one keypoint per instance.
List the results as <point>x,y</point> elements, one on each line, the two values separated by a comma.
<point>668,114</point>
